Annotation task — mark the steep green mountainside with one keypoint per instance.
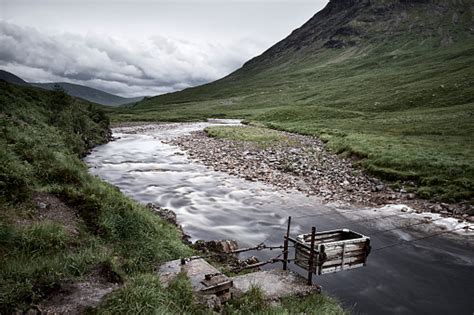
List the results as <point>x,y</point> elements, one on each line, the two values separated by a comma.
<point>388,82</point>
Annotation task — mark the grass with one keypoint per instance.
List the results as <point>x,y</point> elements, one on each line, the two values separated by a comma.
<point>262,137</point>
<point>44,134</point>
<point>405,107</point>
<point>144,294</point>
<point>253,302</point>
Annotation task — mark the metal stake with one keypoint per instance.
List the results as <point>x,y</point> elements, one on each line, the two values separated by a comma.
<point>285,245</point>
<point>311,257</point>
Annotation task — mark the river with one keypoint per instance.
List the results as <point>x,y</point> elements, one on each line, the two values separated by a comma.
<point>430,276</point>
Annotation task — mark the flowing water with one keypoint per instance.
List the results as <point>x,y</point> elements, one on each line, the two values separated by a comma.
<point>431,276</point>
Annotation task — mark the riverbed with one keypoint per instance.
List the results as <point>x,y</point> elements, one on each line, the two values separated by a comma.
<point>430,276</point>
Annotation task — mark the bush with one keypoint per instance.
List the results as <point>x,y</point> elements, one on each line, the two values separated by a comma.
<point>144,294</point>
<point>43,237</point>
<point>14,178</point>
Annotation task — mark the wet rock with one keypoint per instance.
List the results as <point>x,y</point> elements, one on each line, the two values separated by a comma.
<point>250,261</point>
<point>220,246</point>
<point>41,205</point>
<point>170,217</point>
<point>166,214</point>
<point>470,219</point>
<point>436,209</point>
<point>212,302</point>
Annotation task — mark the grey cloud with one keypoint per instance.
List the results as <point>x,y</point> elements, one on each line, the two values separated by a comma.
<point>126,67</point>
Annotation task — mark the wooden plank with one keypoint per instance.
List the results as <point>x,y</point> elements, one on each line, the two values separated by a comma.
<point>346,261</point>
<point>330,242</point>
<point>217,288</point>
<point>349,247</point>
<point>307,237</point>
<point>338,268</point>
<point>298,243</point>
<point>343,258</point>
<point>351,241</point>
<point>338,251</point>
<point>347,254</point>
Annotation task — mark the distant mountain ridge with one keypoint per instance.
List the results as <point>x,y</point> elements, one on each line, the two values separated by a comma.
<point>81,91</point>
<point>11,78</point>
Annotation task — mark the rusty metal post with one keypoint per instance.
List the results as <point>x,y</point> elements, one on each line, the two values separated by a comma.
<point>285,245</point>
<point>311,257</point>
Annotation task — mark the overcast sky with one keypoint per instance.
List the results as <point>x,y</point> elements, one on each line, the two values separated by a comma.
<point>141,47</point>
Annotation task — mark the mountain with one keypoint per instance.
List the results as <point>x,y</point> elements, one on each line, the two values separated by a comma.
<point>11,78</point>
<point>89,94</point>
<point>81,91</point>
<point>388,82</point>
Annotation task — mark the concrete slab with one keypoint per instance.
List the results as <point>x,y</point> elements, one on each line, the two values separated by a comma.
<point>204,277</point>
<point>275,284</point>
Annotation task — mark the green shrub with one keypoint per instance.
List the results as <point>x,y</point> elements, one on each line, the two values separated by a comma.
<point>14,178</point>
<point>144,294</point>
<point>42,238</point>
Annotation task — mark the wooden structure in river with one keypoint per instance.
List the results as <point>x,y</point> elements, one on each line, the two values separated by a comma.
<point>327,251</point>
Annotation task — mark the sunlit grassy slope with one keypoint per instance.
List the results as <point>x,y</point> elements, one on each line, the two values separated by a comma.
<point>399,94</point>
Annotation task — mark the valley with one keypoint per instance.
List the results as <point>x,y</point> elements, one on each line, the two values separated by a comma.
<point>360,120</point>
<point>146,165</point>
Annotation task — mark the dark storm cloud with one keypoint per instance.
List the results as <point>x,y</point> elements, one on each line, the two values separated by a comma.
<point>128,67</point>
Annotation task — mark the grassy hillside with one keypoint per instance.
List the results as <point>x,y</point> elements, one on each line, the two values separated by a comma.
<point>390,83</point>
<point>76,90</point>
<point>91,225</point>
<point>89,94</point>
<point>11,78</point>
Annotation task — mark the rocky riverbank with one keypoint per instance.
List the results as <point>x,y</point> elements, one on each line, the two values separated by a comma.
<point>303,163</point>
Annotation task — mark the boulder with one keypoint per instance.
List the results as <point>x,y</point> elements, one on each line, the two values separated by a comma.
<point>216,246</point>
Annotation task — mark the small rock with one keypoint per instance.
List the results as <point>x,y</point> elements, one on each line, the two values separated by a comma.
<point>250,261</point>
<point>411,196</point>
<point>165,214</point>
<point>444,212</point>
<point>41,205</point>
<point>211,302</point>
<point>216,246</point>
<point>436,209</point>
<point>470,219</point>
<point>404,209</point>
